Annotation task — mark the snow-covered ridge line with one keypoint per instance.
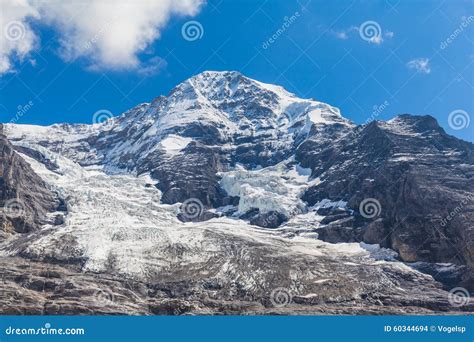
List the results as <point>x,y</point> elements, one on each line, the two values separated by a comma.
<point>227,105</point>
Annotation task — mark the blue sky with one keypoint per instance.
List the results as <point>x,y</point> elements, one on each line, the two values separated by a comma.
<point>315,49</point>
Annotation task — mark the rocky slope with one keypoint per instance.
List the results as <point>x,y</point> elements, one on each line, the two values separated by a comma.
<point>234,196</point>
<point>25,199</point>
<point>419,179</point>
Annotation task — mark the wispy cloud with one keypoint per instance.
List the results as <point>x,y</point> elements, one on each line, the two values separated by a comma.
<point>377,40</point>
<point>106,35</point>
<point>343,35</point>
<point>421,65</point>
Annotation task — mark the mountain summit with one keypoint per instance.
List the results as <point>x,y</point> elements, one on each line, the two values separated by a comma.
<point>228,188</point>
<point>246,99</point>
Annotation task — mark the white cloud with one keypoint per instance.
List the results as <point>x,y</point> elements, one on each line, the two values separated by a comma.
<point>421,65</point>
<point>17,39</point>
<point>376,40</point>
<point>341,35</point>
<point>108,35</point>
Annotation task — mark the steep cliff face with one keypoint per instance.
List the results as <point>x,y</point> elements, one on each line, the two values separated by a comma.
<point>25,199</point>
<point>216,195</point>
<point>420,183</point>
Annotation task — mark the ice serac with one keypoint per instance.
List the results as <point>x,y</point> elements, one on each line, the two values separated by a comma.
<point>275,184</point>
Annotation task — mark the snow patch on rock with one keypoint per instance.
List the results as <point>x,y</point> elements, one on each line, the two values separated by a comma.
<point>173,144</point>
<point>326,203</point>
<point>379,253</point>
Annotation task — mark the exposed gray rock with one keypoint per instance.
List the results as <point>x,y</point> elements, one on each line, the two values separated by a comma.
<point>271,219</point>
<point>422,178</point>
<point>419,177</point>
<point>38,288</point>
<point>192,174</point>
<point>25,199</point>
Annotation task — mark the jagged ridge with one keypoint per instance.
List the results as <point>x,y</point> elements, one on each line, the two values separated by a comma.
<point>250,152</point>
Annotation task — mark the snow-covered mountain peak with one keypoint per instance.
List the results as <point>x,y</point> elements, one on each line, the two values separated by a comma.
<point>240,98</point>
<point>233,83</point>
<point>228,85</point>
<point>214,107</point>
<point>222,89</point>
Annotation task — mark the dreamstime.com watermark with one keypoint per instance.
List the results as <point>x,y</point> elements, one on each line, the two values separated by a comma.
<point>377,110</point>
<point>370,208</point>
<point>371,32</point>
<point>21,111</point>
<point>456,210</point>
<point>46,330</point>
<point>287,22</point>
<point>13,208</point>
<point>280,297</point>
<point>192,30</point>
<point>103,117</point>
<point>466,21</point>
<point>192,208</point>
<point>14,30</point>
<point>458,297</point>
<point>104,29</point>
<point>459,119</point>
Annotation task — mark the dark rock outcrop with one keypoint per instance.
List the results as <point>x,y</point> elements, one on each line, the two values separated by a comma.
<point>271,219</point>
<point>192,174</point>
<point>25,199</point>
<point>419,179</point>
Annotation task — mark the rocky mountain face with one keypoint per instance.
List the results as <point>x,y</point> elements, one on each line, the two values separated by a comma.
<point>25,199</point>
<point>417,175</point>
<point>234,196</point>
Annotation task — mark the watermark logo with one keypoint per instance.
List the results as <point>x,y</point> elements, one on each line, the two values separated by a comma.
<point>370,208</point>
<point>287,22</point>
<point>192,208</point>
<point>370,31</point>
<point>21,111</point>
<point>458,296</point>
<point>458,119</point>
<point>192,31</point>
<point>377,110</point>
<point>47,329</point>
<point>103,116</point>
<point>13,208</point>
<point>465,22</point>
<point>106,27</point>
<point>280,297</point>
<point>103,297</point>
<point>271,219</point>
<point>456,210</point>
<point>14,30</point>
